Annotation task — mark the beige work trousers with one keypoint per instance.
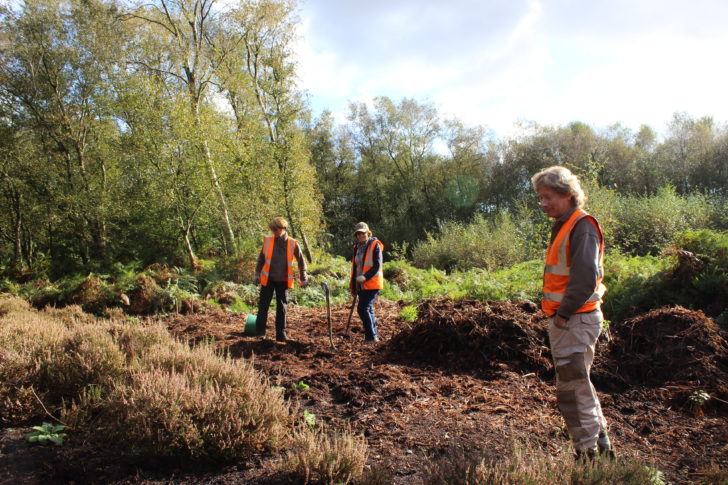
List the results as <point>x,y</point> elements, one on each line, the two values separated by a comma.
<point>573,352</point>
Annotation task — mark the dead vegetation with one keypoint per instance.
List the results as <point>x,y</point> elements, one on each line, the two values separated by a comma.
<point>148,392</point>
<point>321,456</point>
<point>530,465</point>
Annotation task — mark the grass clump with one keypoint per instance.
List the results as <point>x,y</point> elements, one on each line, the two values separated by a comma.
<point>318,456</point>
<point>535,466</point>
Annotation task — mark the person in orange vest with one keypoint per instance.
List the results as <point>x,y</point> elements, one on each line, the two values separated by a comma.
<point>366,277</point>
<point>572,293</point>
<point>274,272</point>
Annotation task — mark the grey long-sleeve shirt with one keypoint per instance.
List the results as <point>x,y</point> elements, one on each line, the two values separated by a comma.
<point>584,254</point>
<point>279,261</point>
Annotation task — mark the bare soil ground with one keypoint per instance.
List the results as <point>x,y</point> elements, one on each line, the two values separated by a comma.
<point>467,373</point>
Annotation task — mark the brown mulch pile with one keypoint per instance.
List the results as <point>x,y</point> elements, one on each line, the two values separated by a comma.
<point>671,345</point>
<point>671,348</point>
<point>471,334</point>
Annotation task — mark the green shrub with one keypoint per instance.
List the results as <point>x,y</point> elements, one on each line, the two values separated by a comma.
<point>408,313</point>
<point>634,283</point>
<point>483,243</point>
<point>693,274</point>
<point>522,281</point>
<point>648,224</point>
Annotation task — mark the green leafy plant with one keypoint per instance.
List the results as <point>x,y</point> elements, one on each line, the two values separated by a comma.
<point>309,418</point>
<point>408,313</point>
<point>699,398</point>
<point>299,386</point>
<point>47,433</point>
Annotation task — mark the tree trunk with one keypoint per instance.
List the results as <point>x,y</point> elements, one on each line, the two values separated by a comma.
<point>306,250</point>
<point>188,247</point>
<point>18,236</point>
<point>229,235</point>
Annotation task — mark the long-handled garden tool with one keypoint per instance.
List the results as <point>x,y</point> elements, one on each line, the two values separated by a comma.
<point>327,292</point>
<point>351,310</point>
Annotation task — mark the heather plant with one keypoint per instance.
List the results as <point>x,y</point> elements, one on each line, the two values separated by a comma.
<point>317,455</point>
<point>530,465</point>
<point>144,389</point>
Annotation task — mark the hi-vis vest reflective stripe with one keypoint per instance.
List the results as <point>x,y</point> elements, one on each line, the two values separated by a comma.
<point>558,267</point>
<point>376,282</point>
<point>268,244</point>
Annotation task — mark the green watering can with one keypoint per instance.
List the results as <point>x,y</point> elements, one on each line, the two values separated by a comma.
<point>250,324</point>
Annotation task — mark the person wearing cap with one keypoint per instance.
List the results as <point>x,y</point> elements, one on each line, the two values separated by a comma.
<point>572,294</point>
<point>366,277</point>
<point>274,272</point>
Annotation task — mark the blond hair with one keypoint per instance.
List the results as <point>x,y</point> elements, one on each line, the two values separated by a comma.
<point>562,181</point>
<point>278,223</point>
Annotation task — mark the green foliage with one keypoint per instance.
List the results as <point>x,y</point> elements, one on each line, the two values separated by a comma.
<point>408,313</point>
<point>648,224</point>
<point>309,418</point>
<point>633,283</point>
<point>299,386</point>
<point>699,398</point>
<point>47,433</point>
<point>481,244</point>
<point>692,274</point>
<point>405,282</point>
<point>143,164</point>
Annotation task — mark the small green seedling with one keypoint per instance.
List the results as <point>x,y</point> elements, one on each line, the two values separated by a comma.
<point>299,386</point>
<point>309,418</point>
<point>699,398</point>
<point>409,313</point>
<point>46,433</point>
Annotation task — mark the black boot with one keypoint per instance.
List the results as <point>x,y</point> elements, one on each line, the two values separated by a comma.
<point>281,331</point>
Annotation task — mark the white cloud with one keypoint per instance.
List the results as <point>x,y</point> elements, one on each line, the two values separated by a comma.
<point>495,63</point>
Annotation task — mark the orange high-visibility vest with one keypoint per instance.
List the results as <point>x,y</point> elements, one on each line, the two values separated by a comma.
<point>268,244</point>
<point>558,267</point>
<point>376,282</point>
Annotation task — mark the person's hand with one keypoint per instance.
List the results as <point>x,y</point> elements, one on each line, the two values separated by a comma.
<point>360,279</point>
<point>560,322</point>
<point>256,280</point>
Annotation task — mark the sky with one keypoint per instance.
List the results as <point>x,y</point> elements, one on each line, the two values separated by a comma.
<point>497,63</point>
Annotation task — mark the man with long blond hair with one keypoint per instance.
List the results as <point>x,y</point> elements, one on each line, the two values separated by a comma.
<point>572,293</point>
<point>274,273</point>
